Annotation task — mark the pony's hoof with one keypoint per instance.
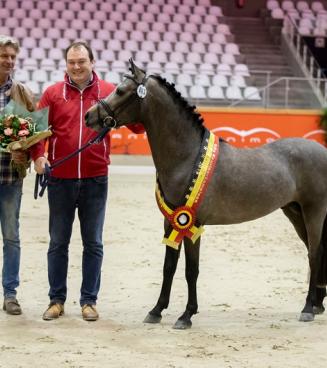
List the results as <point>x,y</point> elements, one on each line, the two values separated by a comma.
<point>318,309</point>
<point>182,325</point>
<point>306,317</point>
<point>151,318</point>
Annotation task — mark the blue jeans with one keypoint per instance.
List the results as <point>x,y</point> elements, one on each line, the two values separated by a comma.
<point>10,200</point>
<point>89,196</point>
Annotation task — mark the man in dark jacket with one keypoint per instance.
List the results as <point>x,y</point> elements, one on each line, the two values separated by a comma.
<point>10,181</point>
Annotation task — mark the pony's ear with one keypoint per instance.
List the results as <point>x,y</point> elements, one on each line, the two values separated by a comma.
<point>137,72</point>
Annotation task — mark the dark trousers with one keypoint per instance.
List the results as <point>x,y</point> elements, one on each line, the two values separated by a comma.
<point>89,196</point>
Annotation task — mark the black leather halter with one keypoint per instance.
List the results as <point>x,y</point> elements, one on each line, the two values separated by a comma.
<point>111,120</point>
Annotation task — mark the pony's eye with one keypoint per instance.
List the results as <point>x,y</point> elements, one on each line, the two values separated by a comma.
<point>119,91</point>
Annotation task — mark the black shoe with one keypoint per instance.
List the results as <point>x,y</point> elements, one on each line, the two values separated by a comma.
<point>11,306</point>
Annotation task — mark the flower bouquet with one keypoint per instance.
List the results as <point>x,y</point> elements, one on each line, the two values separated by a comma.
<point>20,129</point>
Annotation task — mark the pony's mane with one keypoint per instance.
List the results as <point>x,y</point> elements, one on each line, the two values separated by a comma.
<point>190,110</point>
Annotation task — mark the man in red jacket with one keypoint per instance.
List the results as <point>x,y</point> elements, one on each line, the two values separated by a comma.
<point>80,182</point>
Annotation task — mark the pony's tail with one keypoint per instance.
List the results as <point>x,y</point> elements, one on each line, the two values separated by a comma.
<point>322,276</point>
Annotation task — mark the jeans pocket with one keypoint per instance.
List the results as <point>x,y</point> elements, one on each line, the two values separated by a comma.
<point>100,179</point>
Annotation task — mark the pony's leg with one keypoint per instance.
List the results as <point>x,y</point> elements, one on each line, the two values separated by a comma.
<point>170,265</point>
<point>192,252</point>
<point>314,219</point>
<point>294,213</point>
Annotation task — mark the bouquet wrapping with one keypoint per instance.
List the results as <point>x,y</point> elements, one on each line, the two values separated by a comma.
<point>20,129</point>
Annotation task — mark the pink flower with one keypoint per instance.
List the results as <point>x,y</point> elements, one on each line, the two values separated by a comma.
<point>8,131</point>
<point>23,133</point>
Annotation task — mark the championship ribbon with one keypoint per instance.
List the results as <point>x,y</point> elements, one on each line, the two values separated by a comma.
<point>182,219</point>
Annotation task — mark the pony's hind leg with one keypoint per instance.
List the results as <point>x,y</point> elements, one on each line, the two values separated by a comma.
<point>170,265</point>
<point>192,252</point>
<point>294,213</point>
<point>314,219</point>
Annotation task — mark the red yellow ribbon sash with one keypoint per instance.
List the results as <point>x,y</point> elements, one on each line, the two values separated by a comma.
<point>183,218</point>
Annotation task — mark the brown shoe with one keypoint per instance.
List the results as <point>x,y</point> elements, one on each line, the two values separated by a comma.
<point>11,306</point>
<point>89,312</point>
<point>54,311</point>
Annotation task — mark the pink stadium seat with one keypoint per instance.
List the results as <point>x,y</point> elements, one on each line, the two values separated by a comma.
<point>165,46</point>
<point>302,5</point>
<point>252,93</point>
<point>198,47</point>
<point>126,25</point>
<point>57,75</point>
<point>241,69</point>
<point>11,23</point>
<point>116,16</point>
<point>30,64</point>
<point>186,37</point>
<point>124,55</point>
<point>108,55</point>
<point>203,38</point>
<point>53,33</point>
<point>172,68</point>
<point>237,80</point>
<point>215,48</point>
<point>39,75</point>
<point>114,44</point>
<point>75,6</point>
<point>21,75</point>
<point>153,8</point>
<point>27,4</point>
<point>20,13</point>
<point>216,92</point>
<point>121,7</point>
<point>197,92</point>
<point>169,77</point>
<point>68,15</point>
<point>200,10</point>
<point>29,42</point>
<point>182,90</point>
<point>153,67</point>
<point>191,28</point>
<point>70,34</point>
<point>233,93</point>
<point>153,36</point>
<point>43,5</point>
<point>56,54</point>
<point>211,58</point>
<point>185,9</point>
<point>119,66</point>
<point>47,64</point>
<point>103,35</point>
<point>86,34</point>
<point>12,5</point>
<point>44,23</point>
<point>34,87</point>
<point>181,46</point>
<point>142,26</point>
<point>212,19</point>
<point>160,57</point>
<point>173,2</point>
<point>23,53</point>
<point>232,48</point>
<point>220,80</point>
<point>38,53</point>
<point>100,16</point>
<point>207,28</point>
<point>52,14</point>
<point>137,36</point>
<point>163,18</point>
<point>97,44</point>
<point>176,57</point>
<point>224,69</point>
<point>277,13</point>
<point>61,24</point>
<point>170,37</point>
<point>148,17</point>
<point>216,10</point>
<point>287,5</point>
<point>202,80</point>
<point>142,56</point>
<point>219,38</point>
<point>132,17</point>
<point>189,68</point>
<point>58,5</point>
<point>159,27</point>
<point>195,19</point>
<point>224,29</point>
<point>19,32</point>
<point>94,24</point>
<point>112,77</point>
<point>169,9</point>
<point>148,46</point>
<point>174,27</point>
<point>120,35</point>
<point>37,33</point>
<point>272,4</point>
<point>106,7</point>
<point>207,69</point>
<point>138,8</point>
<point>179,18</point>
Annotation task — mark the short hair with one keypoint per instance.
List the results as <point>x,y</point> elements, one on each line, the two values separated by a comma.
<point>79,44</point>
<point>9,41</point>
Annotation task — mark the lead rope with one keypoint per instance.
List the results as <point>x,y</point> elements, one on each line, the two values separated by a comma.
<point>41,180</point>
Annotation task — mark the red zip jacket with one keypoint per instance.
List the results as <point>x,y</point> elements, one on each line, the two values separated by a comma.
<point>67,107</point>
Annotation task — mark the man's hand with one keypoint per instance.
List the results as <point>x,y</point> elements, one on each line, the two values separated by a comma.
<point>19,157</point>
<point>39,164</point>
